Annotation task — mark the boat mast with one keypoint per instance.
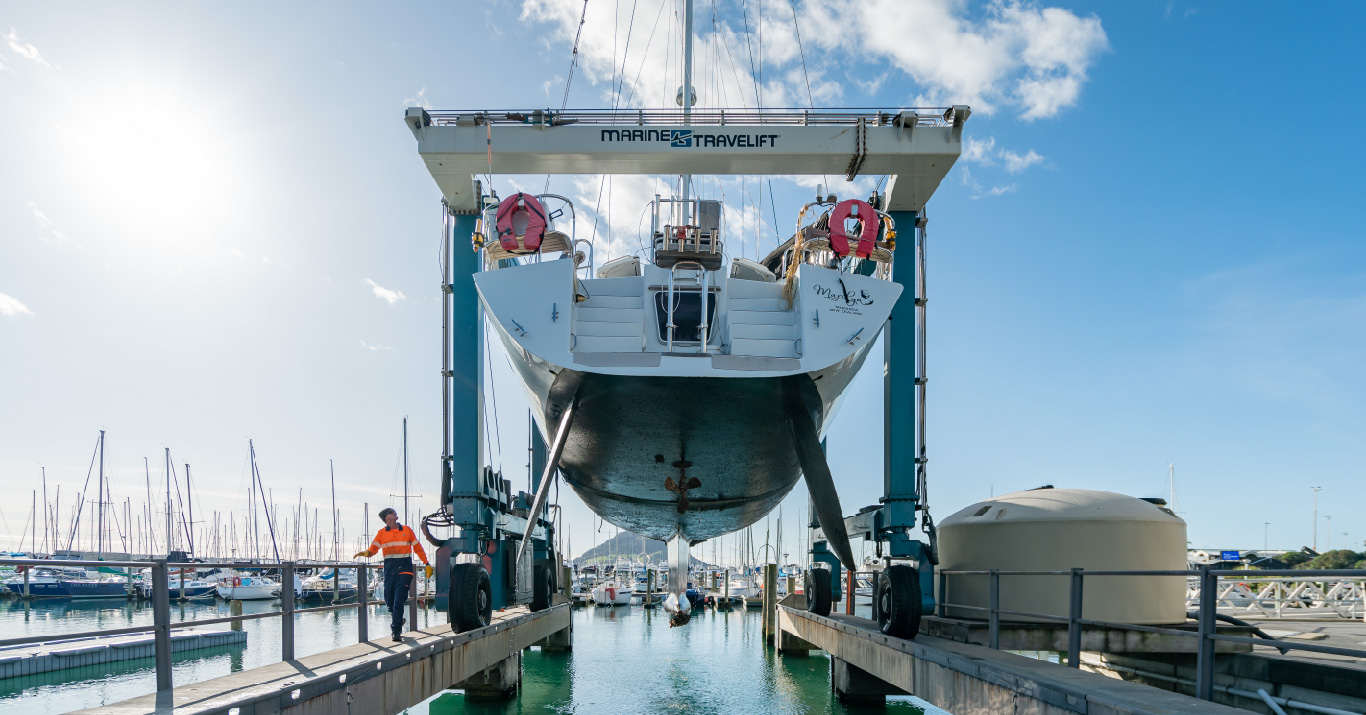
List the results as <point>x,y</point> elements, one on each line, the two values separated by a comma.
<point>686,97</point>
<point>405,469</point>
<point>44,510</point>
<point>189,496</point>
<point>170,521</point>
<point>335,546</point>
<point>99,536</point>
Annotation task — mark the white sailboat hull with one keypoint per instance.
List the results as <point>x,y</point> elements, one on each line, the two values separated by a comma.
<point>644,410</point>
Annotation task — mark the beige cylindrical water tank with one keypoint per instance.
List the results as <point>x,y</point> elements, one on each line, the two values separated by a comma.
<point>1062,529</point>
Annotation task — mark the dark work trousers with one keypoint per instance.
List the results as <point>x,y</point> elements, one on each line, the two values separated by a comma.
<point>398,579</point>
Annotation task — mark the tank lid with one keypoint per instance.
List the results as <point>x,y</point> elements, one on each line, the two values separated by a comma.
<point>1060,505</point>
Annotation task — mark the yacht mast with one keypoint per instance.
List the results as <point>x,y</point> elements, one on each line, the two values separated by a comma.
<point>99,536</point>
<point>335,548</point>
<point>189,497</point>
<point>405,469</point>
<point>687,98</point>
<point>170,526</point>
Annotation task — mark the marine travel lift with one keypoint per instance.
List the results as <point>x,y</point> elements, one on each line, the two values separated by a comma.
<point>480,569</point>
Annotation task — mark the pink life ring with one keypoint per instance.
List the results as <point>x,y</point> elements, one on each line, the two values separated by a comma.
<point>862,212</point>
<point>521,204</point>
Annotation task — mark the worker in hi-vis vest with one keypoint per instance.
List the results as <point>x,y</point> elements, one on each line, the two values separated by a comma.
<point>398,542</point>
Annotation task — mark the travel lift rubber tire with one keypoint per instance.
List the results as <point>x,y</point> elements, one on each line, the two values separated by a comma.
<point>540,588</point>
<point>898,601</point>
<point>818,591</point>
<point>471,597</point>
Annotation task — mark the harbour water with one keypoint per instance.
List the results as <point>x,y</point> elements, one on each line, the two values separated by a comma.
<point>625,659</point>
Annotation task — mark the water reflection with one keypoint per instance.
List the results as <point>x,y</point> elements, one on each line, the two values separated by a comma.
<point>631,661</point>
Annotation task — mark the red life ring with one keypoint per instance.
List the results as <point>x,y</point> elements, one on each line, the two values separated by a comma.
<point>860,211</point>
<point>236,581</point>
<point>518,205</point>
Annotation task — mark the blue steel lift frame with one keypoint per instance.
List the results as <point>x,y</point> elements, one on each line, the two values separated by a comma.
<point>903,458</point>
<point>477,500</point>
<point>905,144</point>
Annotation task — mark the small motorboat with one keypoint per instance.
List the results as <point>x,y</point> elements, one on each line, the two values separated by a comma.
<point>248,588</point>
<point>327,587</point>
<point>613,593</point>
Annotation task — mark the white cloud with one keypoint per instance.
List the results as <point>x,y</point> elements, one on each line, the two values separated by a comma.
<point>389,296</point>
<point>1014,54</point>
<point>977,191</point>
<point>47,230</point>
<point>1015,163</point>
<point>1030,59</point>
<point>979,151</point>
<point>418,101</point>
<point>11,307</point>
<point>237,252</point>
<point>985,153</point>
<point>24,49</point>
<point>375,347</point>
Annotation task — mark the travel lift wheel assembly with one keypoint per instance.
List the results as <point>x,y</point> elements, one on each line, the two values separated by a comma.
<point>904,587</point>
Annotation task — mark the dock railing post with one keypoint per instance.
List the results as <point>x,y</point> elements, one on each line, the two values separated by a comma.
<point>849,585</point>
<point>1073,627</point>
<point>1204,658</point>
<point>27,595</point>
<point>770,602</point>
<point>412,598</point>
<point>161,620</point>
<point>287,611</point>
<point>943,594</point>
<point>993,611</point>
<point>362,604</point>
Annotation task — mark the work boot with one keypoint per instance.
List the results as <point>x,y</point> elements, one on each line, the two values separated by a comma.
<point>398,637</point>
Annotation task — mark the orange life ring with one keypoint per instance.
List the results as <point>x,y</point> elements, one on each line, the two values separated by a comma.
<point>236,581</point>
<point>524,205</point>
<point>862,212</point>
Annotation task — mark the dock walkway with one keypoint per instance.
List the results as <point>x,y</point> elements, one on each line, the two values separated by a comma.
<point>53,655</point>
<point>966,679</point>
<point>369,677</point>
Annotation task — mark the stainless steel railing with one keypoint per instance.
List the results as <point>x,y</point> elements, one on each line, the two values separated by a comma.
<point>924,116</point>
<point>1206,631</point>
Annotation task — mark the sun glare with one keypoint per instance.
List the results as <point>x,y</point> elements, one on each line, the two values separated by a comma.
<point>153,162</point>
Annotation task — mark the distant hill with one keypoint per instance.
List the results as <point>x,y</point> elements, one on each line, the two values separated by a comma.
<point>631,546</point>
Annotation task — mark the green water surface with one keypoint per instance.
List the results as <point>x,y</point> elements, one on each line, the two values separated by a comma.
<point>628,660</point>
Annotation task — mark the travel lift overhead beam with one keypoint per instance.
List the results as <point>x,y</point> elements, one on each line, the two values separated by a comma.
<point>916,148</point>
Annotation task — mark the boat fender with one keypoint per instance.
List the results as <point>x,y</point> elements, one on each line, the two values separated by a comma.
<point>862,212</point>
<point>611,594</point>
<point>511,207</point>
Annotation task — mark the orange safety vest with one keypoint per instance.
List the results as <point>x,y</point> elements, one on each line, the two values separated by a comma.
<point>397,543</point>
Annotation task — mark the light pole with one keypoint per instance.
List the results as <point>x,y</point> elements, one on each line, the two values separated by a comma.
<point>1266,529</point>
<point>1316,517</point>
<point>1328,530</point>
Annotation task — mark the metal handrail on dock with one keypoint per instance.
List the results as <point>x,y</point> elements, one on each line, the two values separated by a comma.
<point>1206,631</point>
<point>161,604</point>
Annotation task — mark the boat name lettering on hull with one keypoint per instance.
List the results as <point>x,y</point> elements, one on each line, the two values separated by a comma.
<point>850,298</point>
<point>688,139</point>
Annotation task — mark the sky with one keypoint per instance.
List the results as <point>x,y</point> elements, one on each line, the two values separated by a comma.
<point>215,228</point>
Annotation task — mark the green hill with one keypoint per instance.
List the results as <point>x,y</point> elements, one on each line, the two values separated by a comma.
<point>632,547</point>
